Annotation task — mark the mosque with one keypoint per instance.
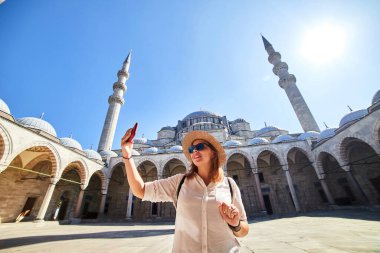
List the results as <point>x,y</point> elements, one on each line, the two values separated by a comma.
<point>46,177</point>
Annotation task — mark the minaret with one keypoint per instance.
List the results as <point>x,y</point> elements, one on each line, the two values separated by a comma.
<point>288,83</point>
<point>115,101</point>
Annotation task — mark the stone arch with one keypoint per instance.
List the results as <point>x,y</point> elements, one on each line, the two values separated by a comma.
<point>345,141</point>
<point>80,166</point>
<point>305,179</point>
<point>168,162</point>
<point>274,186</point>
<point>363,164</point>
<point>119,164</point>
<point>54,156</point>
<point>102,177</point>
<point>92,196</point>
<point>5,145</point>
<point>273,151</point>
<point>244,154</point>
<point>146,159</point>
<point>337,178</point>
<point>239,167</point>
<point>299,147</point>
<point>181,158</point>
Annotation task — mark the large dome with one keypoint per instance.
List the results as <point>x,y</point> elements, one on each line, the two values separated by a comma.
<point>327,133</point>
<point>257,141</point>
<point>92,154</point>
<point>36,123</point>
<point>107,153</point>
<point>152,150</point>
<point>168,128</point>
<point>198,114</point>
<point>283,138</point>
<point>175,149</point>
<point>353,116</point>
<point>376,97</point>
<point>4,107</point>
<point>70,142</point>
<point>232,143</point>
<point>267,129</point>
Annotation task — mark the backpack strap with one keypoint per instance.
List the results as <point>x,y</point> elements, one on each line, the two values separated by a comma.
<point>179,189</point>
<point>231,191</point>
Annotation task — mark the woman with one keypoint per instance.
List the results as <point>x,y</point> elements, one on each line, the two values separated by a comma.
<point>210,213</point>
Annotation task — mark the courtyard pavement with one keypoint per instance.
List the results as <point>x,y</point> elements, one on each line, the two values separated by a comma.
<point>329,231</point>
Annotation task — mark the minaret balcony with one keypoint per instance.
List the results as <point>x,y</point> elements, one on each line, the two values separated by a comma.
<point>119,85</point>
<point>115,99</point>
<point>279,68</point>
<point>123,73</point>
<point>285,82</point>
<point>274,58</point>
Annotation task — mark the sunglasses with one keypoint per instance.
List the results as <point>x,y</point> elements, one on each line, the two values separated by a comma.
<point>198,147</point>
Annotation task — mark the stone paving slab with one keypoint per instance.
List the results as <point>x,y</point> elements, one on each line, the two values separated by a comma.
<point>334,231</point>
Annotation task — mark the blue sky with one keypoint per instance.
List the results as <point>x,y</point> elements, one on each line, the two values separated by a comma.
<point>62,57</point>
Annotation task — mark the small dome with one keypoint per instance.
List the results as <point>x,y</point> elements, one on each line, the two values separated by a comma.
<point>239,120</point>
<point>4,107</point>
<point>135,152</point>
<point>107,153</point>
<point>92,154</point>
<point>376,97</point>
<point>308,135</point>
<point>140,140</point>
<point>36,123</point>
<point>283,138</point>
<point>353,116</point>
<point>232,143</point>
<point>198,114</point>
<point>257,141</point>
<point>327,133</point>
<point>168,128</point>
<point>70,142</point>
<point>176,149</point>
<point>267,129</point>
<point>152,150</point>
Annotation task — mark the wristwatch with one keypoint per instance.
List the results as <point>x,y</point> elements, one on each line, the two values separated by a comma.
<point>235,228</point>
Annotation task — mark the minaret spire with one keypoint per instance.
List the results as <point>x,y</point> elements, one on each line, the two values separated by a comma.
<point>115,102</point>
<point>288,83</point>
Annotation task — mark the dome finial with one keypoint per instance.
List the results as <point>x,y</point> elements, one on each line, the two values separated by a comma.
<point>71,136</point>
<point>142,136</point>
<point>325,124</point>
<point>265,124</point>
<point>42,115</point>
<point>349,108</point>
<point>91,146</point>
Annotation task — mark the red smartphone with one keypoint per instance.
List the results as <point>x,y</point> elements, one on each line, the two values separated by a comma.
<point>133,133</point>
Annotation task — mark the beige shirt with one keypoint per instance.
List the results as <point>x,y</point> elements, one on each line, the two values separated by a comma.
<point>199,227</point>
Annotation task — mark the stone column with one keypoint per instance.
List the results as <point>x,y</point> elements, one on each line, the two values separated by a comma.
<point>129,205</point>
<point>358,191</point>
<point>102,203</point>
<point>292,190</point>
<point>79,204</point>
<point>45,203</point>
<point>259,192</point>
<point>327,191</point>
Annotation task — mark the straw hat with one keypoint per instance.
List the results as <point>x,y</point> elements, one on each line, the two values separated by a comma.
<point>202,135</point>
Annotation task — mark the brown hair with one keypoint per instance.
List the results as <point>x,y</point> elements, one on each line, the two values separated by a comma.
<point>216,172</point>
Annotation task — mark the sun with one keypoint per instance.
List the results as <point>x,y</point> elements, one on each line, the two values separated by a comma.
<point>323,43</point>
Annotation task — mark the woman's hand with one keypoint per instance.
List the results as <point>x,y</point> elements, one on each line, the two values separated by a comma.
<point>230,214</point>
<point>126,147</point>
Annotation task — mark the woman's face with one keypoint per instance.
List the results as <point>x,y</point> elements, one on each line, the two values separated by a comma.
<point>202,157</point>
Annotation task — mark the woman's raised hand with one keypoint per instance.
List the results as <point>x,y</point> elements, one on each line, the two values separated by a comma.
<point>230,214</point>
<point>126,146</point>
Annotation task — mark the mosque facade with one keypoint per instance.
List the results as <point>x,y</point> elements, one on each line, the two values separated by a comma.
<point>46,177</point>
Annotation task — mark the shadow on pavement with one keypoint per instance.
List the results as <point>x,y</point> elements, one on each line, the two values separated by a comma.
<point>21,241</point>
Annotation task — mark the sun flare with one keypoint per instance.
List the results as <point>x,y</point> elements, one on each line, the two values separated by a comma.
<point>323,43</point>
